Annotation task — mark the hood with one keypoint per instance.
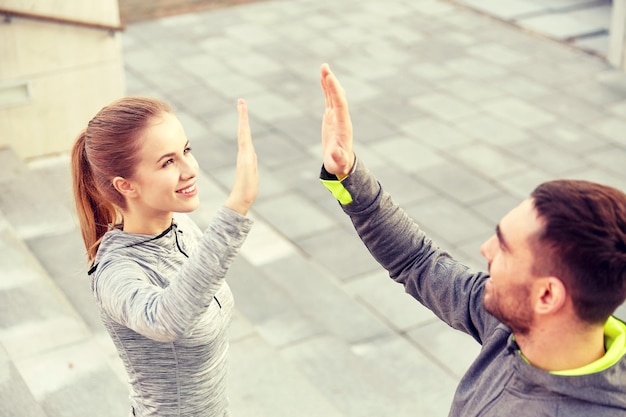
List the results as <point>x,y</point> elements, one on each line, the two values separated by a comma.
<point>117,240</point>
<point>604,381</point>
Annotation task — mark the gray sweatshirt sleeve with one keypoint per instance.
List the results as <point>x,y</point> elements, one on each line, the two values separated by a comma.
<point>428,273</point>
<point>164,314</point>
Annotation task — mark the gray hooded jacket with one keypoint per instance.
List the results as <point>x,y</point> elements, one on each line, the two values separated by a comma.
<point>166,305</point>
<point>499,382</point>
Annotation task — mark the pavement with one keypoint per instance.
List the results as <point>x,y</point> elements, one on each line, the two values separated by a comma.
<point>459,111</point>
<point>581,23</point>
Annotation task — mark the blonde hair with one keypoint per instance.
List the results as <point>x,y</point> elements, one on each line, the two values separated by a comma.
<point>106,149</point>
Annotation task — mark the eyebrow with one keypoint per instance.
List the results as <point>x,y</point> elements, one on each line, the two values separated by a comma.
<point>501,238</point>
<point>169,155</point>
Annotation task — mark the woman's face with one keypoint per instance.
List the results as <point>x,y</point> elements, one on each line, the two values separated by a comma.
<point>165,177</point>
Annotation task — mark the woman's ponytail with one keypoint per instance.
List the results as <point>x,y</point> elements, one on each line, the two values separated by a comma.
<point>94,212</point>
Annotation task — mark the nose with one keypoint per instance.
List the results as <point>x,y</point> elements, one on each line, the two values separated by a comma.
<point>486,248</point>
<point>189,168</point>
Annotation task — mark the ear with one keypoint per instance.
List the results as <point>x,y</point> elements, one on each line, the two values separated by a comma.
<point>549,294</point>
<point>124,187</point>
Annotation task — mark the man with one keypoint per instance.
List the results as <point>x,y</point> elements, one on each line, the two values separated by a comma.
<point>543,313</point>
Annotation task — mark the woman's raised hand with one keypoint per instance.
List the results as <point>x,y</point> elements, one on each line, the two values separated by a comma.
<point>246,185</point>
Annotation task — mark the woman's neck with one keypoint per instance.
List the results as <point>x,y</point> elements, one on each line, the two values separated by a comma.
<point>146,225</point>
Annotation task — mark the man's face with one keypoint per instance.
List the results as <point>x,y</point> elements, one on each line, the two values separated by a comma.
<point>510,258</point>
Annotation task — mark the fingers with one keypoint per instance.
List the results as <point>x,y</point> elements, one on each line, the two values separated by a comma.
<point>325,71</point>
<point>331,87</point>
<point>334,94</point>
<point>244,136</point>
<point>243,132</point>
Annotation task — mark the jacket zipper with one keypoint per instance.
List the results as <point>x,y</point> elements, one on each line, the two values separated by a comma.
<point>187,256</point>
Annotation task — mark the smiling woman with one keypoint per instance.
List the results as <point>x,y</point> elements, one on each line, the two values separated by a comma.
<point>157,279</point>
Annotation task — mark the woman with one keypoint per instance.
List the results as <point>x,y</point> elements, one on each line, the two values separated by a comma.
<point>157,279</point>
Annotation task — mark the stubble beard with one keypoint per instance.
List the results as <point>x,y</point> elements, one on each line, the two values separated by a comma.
<point>516,313</point>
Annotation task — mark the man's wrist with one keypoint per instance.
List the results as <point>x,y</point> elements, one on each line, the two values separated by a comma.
<point>334,184</point>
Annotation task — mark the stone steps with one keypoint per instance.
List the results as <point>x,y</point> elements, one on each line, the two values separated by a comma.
<point>61,362</point>
<point>302,342</point>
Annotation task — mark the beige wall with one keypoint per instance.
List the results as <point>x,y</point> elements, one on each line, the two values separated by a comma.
<point>71,72</point>
<point>617,34</point>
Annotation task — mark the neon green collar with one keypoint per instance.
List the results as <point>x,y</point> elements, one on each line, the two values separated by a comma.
<point>615,343</point>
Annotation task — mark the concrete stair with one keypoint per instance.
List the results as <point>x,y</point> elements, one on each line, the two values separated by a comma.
<point>58,360</point>
<point>303,342</point>
<point>288,356</point>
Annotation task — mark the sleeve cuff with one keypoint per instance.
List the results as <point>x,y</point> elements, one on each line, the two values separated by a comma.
<point>335,186</point>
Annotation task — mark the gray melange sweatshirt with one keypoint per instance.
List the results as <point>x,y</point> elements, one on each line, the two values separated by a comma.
<point>167,307</point>
<point>500,382</point>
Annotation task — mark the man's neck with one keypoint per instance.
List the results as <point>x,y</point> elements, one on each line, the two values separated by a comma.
<point>562,349</point>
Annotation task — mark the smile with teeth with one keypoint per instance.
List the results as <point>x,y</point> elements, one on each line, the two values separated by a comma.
<point>187,190</point>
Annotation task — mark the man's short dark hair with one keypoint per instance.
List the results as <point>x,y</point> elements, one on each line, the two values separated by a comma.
<point>583,243</point>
